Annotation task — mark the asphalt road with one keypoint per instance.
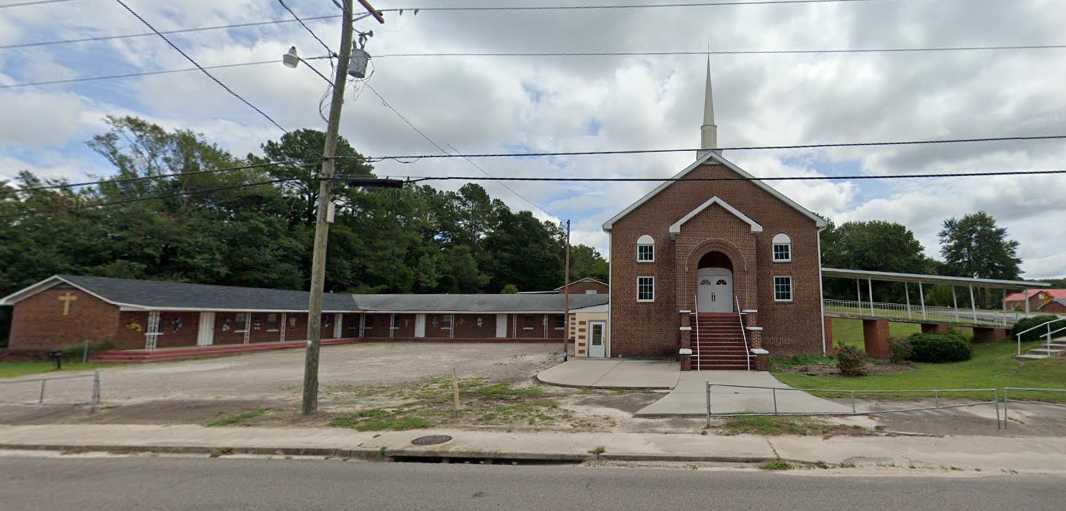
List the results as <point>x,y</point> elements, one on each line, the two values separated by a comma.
<point>118,484</point>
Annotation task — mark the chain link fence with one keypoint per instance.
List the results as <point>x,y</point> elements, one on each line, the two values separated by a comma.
<point>80,389</point>
<point>837,402</point>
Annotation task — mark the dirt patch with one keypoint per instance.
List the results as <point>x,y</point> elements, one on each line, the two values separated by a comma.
<point>774,426</point>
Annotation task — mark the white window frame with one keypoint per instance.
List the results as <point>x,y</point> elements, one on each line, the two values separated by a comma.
<point>776,243</point>
<point>791,289</point>
<point>648,300</point>
<point>646,241</point>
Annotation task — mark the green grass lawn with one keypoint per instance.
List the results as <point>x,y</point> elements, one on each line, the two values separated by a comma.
<point>992,366</point>
<point>16,369</point>
<point>848,332</point>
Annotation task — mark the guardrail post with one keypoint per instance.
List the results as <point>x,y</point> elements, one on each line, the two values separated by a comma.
<point>936,398</point>
<point>853,411</point>
<point>707,388</point>
<point>40,400</point>
<point>96,391</point>
<point>773,392</point>
<point>1004,408</point>
<point>995,399</point>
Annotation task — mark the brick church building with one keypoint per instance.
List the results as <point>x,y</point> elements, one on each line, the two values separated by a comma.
<point>724,254</point>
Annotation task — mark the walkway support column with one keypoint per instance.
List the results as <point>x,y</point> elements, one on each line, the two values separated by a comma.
<point>921,297</point>
<point>875,337</point>
<point>955,302</point>
<point>870,285</point>
<point>973,305</point>
<point>907,293</point>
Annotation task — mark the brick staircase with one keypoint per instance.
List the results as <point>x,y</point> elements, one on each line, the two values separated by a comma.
<point>719,343</point>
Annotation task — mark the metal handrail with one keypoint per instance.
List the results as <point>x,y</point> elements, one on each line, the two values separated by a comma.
<point>1047,340</point>
<point>743,333</point>
<point>696,314</point>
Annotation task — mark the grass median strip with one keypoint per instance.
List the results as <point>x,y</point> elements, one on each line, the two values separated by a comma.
<point>773,426</point>
<point>238,418</point>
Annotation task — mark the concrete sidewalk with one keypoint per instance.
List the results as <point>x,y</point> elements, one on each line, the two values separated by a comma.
<point>689,397</point>
<point>613,374</point>
<point>1046,455</point>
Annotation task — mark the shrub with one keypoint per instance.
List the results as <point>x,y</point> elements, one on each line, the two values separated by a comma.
<point>901,350</point>
<point>939,348</point>
<point>851,361</point>
<point>1024,324</point>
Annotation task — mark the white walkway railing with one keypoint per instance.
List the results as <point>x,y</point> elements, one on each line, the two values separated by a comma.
<point>904,312</point>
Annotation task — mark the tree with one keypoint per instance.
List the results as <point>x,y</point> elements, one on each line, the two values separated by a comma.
<point>586,261</point>
<point>875,245</point>
<point>976,247</point>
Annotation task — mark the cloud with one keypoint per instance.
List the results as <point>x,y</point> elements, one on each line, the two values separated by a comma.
<point>495,104</point>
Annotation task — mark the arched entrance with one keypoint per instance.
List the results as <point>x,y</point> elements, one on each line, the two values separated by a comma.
<point>714,283</point>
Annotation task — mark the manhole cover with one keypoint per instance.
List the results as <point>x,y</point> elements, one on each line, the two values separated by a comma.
<point>431,440</point>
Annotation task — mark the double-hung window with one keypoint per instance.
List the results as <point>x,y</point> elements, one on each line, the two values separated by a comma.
<point>645,249</point>
<point>645,289</point>
<point>782,289</point>
<point>782,248</point>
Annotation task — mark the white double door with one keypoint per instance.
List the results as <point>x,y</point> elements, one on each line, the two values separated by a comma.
<point>714,289</point>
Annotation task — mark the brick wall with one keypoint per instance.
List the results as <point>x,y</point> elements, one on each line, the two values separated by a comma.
<point>377,326</point>
<point>466,326</point>
<point>38,321</point>
<point>530,326</point>
<point>651,329</point>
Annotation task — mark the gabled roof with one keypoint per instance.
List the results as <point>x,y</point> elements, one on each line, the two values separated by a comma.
<point>1029,293</point>
<point>675,228</point>
<point>131,294</point>
<point>714,155</point>
<point>583,279</point>
<point>160,295</point>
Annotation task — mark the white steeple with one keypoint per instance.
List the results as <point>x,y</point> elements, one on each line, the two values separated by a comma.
<point>709,130</point>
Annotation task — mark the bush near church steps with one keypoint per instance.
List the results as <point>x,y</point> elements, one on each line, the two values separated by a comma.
<point>851,361</point>
<point>1025,324</point>
<point>939,348</point>
<point>900,350</point>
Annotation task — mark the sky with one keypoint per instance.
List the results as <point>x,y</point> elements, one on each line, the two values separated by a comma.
<point>514,104</point>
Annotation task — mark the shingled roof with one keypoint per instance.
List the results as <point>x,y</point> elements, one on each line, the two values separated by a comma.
<point>161,295</point>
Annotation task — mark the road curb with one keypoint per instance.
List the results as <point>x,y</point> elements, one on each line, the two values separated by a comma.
<point>537,379</point>
<point>386,455</point>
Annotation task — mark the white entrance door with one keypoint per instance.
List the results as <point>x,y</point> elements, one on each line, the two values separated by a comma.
<point>597,339</point>
<point>715,287</point>
<point>205,335</point>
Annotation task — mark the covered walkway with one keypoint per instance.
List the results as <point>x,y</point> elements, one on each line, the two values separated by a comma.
<point>988,325</point>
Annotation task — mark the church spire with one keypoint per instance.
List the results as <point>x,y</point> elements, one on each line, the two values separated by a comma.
<point>709,130</point>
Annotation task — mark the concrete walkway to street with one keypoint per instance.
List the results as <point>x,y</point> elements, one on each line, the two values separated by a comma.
<point>613,374</point>
<point>689,397</point>
<point>1028,454</point>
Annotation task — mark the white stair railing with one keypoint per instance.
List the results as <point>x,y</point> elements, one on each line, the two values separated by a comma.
<point>743,333</point>
<point>1047,335</point>
<point>696,315</point>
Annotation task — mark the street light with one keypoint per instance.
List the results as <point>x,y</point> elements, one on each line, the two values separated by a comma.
<point>291,59</point>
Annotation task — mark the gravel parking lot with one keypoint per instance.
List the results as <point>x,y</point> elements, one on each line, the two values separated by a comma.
<point>279,374</point>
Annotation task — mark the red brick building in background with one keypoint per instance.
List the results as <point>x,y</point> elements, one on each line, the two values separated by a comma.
<point>65,310</point>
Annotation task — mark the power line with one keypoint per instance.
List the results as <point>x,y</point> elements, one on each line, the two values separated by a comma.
<point>735,148</point>
<point>201,68</point>
<point>632,6</point>
<point>153,197</point>
<point>717,52</point>
<point>407,121</point>
<point>942,49</point>
<point>742,178</point>
<point>145,73</point>
<point>167,32</point>
<point>35,2</point>
<point>329,51</point>
<point>163,176</point>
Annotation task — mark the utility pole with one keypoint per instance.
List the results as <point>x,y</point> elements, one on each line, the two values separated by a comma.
<point>566,295</point>
<point>325,197</point>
